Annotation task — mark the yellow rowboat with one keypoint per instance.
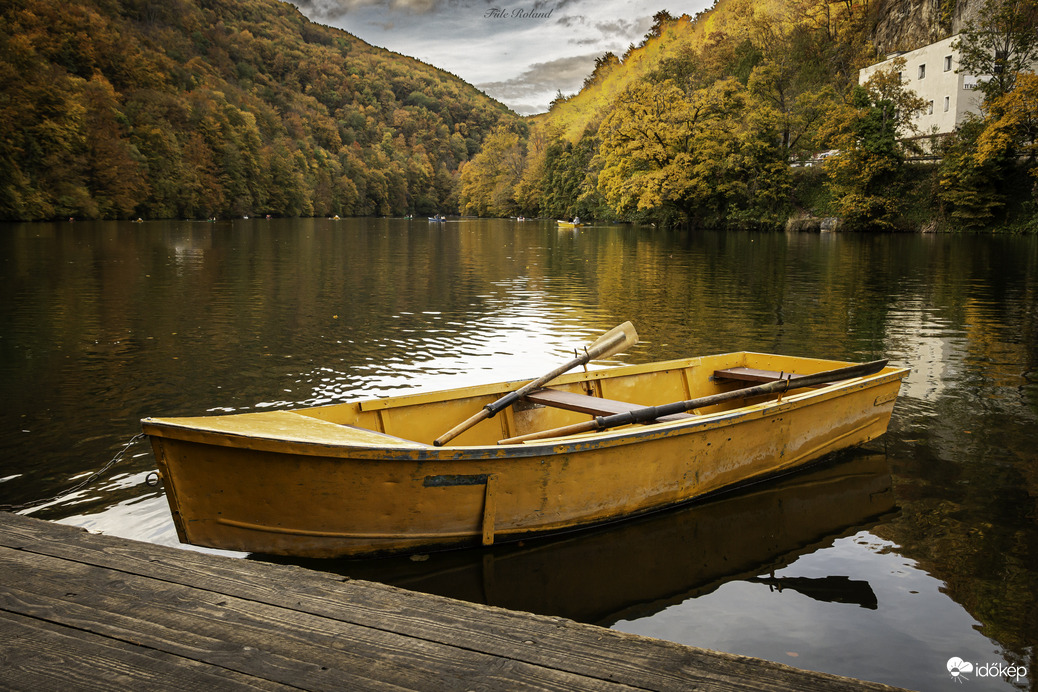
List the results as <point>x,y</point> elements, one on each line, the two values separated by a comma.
<point>365,478</point>
<point>569,224</point>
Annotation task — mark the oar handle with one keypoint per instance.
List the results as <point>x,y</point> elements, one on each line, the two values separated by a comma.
<point>648,414</point>
<point>612,342</point>
<point>446,437</point>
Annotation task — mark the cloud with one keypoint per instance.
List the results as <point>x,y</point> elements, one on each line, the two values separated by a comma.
<point>543,77</point>
<point>522,62</point>
<point>589,41</point>
<point>561,5</point>
<point>572,20</point>
<point>333,9</point>
<point>415,6</point>
<point>622,28</point>
<point>330,9</point>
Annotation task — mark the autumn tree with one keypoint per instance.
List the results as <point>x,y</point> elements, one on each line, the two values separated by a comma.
<point>839,36</point>
<point>530,190</point>
<point>972,187</point>
<point>1000,44</point>
<point>1014,122</point>
<point>789,78</point>
<point>696,156</point>
<point>489,180</point>
<point>866,178</point>
<point>981,161</point>
<point>111,110</point>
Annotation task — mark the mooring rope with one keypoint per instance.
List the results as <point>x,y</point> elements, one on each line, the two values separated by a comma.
<point>78,486</point>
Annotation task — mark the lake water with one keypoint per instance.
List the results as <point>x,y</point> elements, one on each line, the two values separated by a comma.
<point>883,564</point>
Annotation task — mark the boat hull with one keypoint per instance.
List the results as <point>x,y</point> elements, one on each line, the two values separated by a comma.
<point>309,484</point>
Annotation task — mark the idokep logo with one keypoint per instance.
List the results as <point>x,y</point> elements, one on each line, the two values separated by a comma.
<point>958,670</point>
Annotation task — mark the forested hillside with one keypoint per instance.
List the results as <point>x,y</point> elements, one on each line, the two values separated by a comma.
<point>709,119</point>
<point>203,108</point>
<point>697,123</point>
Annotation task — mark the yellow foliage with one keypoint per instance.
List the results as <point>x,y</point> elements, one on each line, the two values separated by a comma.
<point>1013,123</point>
<point>572,116</point>
<point>194,108</point>
<point>488,181</point>
<point>704,153</point>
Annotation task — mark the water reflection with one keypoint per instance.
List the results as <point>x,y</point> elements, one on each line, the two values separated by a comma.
<point>827,589</point>
<point>636,568</point>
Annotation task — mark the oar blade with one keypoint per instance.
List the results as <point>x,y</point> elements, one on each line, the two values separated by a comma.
<point>614,341</point>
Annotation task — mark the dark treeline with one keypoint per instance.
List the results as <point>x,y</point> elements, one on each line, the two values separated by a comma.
<point>203,108</point>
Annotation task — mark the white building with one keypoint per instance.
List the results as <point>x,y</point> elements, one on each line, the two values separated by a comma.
<point>932,73</point>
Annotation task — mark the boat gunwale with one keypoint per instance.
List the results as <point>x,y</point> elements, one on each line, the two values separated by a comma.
<point>419,452</point>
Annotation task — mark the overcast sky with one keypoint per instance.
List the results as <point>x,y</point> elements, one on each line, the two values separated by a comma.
<point>521,53</point>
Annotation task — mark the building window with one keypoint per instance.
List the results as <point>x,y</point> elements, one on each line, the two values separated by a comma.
<point>947,103</point>
<point>1000,61</point>
<point>922,71</point>
<point>947,63</point>
<point>929,108</point>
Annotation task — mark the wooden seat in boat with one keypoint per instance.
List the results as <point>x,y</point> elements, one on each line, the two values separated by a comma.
<point>592,405</point>
<point>751,375</point>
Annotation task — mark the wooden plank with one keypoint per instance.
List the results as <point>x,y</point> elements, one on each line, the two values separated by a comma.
<point>267,642</point>
<point>751,375</point>
<point>592,405</point>
<point>572,401</point>
<point>198,626</point>
<point>39,655</point>
<point>440,639</point>
<point>287,648</point>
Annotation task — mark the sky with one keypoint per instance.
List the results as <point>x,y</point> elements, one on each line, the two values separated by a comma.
<point>522,53</point>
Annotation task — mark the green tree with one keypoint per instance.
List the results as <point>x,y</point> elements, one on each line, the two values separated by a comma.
<point>788,78</point>
<point>866,177</point>
<point>113,164</point>
<point>981,162</point>
<point>1002,43</point>
<point>972,188</point>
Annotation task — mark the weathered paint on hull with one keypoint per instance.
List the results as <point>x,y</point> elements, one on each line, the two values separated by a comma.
<point>306,498</point>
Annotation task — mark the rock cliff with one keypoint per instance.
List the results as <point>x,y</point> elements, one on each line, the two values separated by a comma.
<point>904,25</point>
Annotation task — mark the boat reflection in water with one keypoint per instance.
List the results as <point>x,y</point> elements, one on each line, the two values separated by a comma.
<point>636,568</point>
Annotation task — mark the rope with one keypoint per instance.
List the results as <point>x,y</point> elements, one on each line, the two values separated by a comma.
<point>78,486</point>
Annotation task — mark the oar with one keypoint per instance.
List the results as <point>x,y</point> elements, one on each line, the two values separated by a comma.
<point>612,342</point>
<point>651,413</point>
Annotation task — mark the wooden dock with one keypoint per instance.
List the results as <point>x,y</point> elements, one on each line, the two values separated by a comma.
<point>85,611</point>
